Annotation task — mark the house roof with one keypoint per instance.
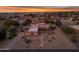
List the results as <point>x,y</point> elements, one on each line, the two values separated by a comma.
<point>75,27</point>
<point>33,28</point>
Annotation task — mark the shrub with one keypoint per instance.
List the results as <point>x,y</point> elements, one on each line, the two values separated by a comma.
<point>12,32</point>
<point>69,30</point>
<point>49,41</point>
<point>73,40</point>
<point>49,21</point>
<point>52,27</point>
<point>58,23</point>
<point>28,41</point>
<point>2,34</point>
<point>27,22</point>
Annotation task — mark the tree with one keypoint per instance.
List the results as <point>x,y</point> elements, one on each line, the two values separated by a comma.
<point>73,19</point>
<point>49,21</point>
<point>58,23</point>
<point>2,34</point>
<point>52,27</point>
<point>69,30</point>
<point>76,19</point>
<point>28,41</point>
<point>10,17</point>
<point>73,40</point>
<point>16,23</point>
<point>8,23</point>
<point>27,22</point>
<point>12,30</point>
<point>2,18</point>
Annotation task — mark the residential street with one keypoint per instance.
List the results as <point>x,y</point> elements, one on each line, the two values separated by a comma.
<point>60,41</point>
<point>12,43</point>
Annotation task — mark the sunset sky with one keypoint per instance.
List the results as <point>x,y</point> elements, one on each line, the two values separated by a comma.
<point>34,9</point>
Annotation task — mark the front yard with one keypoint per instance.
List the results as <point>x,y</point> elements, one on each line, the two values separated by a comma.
<point>70,33</point>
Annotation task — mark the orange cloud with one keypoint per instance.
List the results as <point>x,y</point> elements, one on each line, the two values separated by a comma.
<point>32,9</point>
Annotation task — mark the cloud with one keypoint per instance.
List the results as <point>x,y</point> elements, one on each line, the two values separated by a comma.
<point>36,9</point>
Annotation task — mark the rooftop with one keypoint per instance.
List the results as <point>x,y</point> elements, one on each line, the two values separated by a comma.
<point>33,28</point>
<point>75,27</point>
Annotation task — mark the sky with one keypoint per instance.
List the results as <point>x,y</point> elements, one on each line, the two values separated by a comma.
<point>35,9</point>
<point>39,2</point>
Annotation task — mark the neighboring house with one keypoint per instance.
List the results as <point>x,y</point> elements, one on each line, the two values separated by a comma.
<point>68,22</point>
<point>35,20</point>
<point>33,30</point>
<point>35,26</point>
<point>76,28</point>
<point>42,25</point>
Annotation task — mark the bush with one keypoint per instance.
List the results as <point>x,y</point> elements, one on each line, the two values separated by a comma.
<point>73,40</point>
<point>27,22</point>
<point>16,23</point>
<point>69,30</point>
<point>2,34</point>
<point>12,32</point>
<point>52,27</point>
<point>28,41</point>
<point>49,21</point>
<point>10,37</point>
<point>77,23</point>
<point>49,41</point>
<point>58,23</point>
